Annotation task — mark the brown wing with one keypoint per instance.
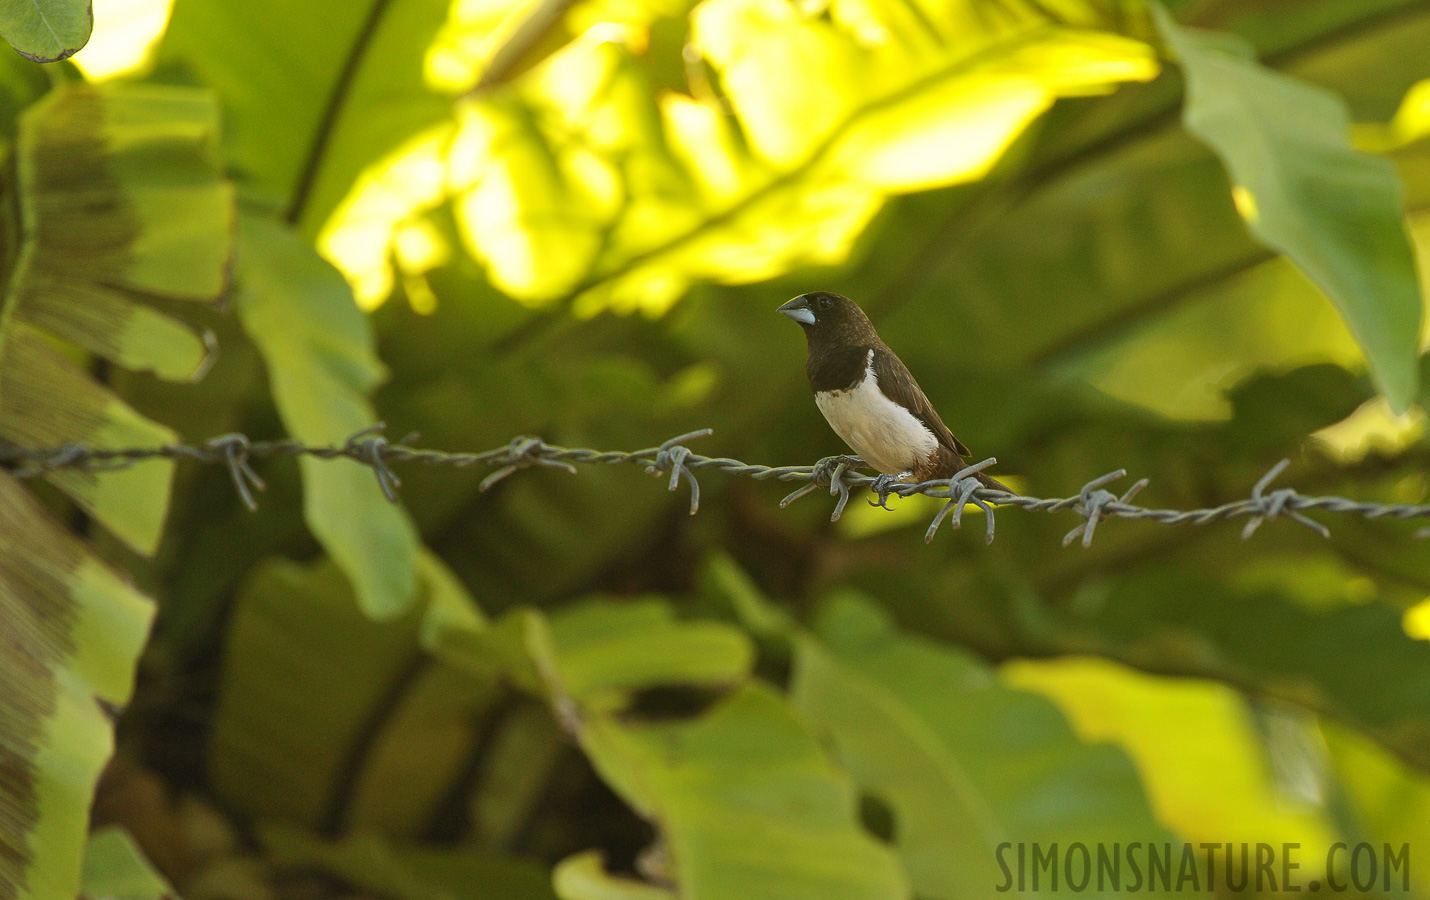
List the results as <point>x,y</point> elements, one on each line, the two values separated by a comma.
<point>898,385</point>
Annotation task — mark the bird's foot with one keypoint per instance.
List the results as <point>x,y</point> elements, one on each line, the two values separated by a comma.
<point>824,469</point>
<point>883,486</point>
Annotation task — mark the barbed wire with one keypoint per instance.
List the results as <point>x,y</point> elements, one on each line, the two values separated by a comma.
<point>369,447</point>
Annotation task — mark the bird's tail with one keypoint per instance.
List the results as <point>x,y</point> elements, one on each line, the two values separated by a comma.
<point>990,481</point>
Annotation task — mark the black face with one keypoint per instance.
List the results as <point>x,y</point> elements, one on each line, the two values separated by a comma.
<point>823,312</point>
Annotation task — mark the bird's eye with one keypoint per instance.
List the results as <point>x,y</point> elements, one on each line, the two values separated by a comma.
<point>825,303</point>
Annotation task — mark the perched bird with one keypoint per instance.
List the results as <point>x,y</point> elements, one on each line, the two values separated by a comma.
<point>869,398</point>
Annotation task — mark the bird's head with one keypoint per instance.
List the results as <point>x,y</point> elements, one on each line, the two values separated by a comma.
<point>826,315</point>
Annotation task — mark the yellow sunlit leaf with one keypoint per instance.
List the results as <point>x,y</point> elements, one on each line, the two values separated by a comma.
<point>534,220</point>
<point>420,247</point>
<point>957,128</point>
<point>703,138</point>
<point>1417,620</point>
<point>1410,124</point>
<point>650,289</point>
<point>815,225</point>
<point>1374,427</point>
<point>473,32</point>
<point>578,180</point>
<point>477,30</point>
<point>420,295</point>
<point>942,138</point>
<point>866,20</point>
<point>1245,203</point>
<point>862,520</point>
<point>757,44</point>
<point>1198,752</point>
<point>124,32</point>
<point>1412,120</point>
<point>631,13</point>
<point>358,236</point>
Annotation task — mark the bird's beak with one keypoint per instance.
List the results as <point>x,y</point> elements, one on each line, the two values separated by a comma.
<point>798,309</point>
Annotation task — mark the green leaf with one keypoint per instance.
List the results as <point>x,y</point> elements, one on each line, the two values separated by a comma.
<point>46,30</point>
<point>114,866</point>
<point>407,871</point>
<point>322,367</point>
<point>614,647</point>
<point>102,176</point>
<point>378,731</point>
<point>1338,214</point>
<point>1184,362</point>
<point>600,652</point>
<point>73,630</point>
<point>747,803</point>
<point>724,578</point>
<point>963,762</point>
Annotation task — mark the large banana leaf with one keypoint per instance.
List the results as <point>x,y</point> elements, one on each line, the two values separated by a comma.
<point>380,730</point>
<point>557,202</point>
<point>118,199</point>
<point>1138,223</point>
<point>409,872</point>
<point>73,631</point>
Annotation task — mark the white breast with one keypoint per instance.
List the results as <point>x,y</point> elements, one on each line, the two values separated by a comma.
<point>886,435</point>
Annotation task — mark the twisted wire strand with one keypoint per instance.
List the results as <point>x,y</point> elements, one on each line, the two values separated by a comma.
<point>370,447</point>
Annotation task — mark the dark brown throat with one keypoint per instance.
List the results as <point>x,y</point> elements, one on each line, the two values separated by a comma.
<point>836,367</point>
<point>839,350</point>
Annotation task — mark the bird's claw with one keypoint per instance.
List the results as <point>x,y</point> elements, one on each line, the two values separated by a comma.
<point>883,486</point>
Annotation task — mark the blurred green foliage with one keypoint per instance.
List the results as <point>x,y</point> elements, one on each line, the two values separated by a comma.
<point>1105,234</point>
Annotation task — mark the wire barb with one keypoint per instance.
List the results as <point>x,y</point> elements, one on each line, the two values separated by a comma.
<point>523,453</point>
<point>1276,504</point>
<point>1093,502</point>
<point>837,468</point>
<point>671,458</point>
<point>839,474</point>
<point>961,490</point>
<point>370,448</point>
<point>234,451</point>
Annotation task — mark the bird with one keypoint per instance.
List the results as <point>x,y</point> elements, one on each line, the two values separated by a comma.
<point>871,400</point>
